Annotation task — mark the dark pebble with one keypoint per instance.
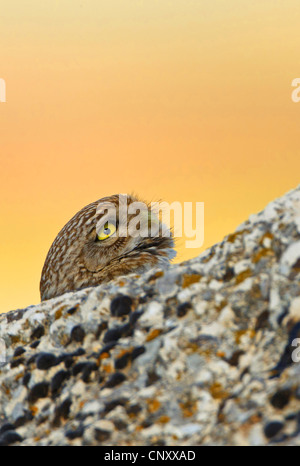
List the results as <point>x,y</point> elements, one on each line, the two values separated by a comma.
<point>64,357</point>
<point>107,348</point>
<point>58,380</point>
<point>9,437</point>
<point>72,310</point>
<point>90,367</point>
<point>101,328</point>
<point>21,420</point>
<point>291,417</point>
<point>18,351</point>
<point>281,398</point>
<point>14,315</point>
<point>31,360</point>
<point>110,405</point>
<point>262,320</point>
<point>121,306</point>
<point>62,410</point>
<point>122,361</point>
<point>101,435</point>
<point>38,332</point>
<point>229,274</point>
<point>298,422</point>
<point>112,334</point>
<point>76,433</point>
<point>126,330</point>
<point>77,334</point>
<point>35,344</point>
<point>143,299</point>
<point>137,351</point>
<point>159,442</point>
<point>79,367</point>
<point>272,428</point>
<point>281,316</point>
<point>26,379</point>
<point>152,377</point>
<point>46,360</point>
<point>115,379</point>
<point>17,362</point>
<point>5,427</point>
<point>120,425</point>
<point>78,352</point>
<point>147,423</point>
<point>234,358</point>
<point>182,309</point>
<point>134,316</point>
<point>133,409</point>
<point>150,293</point>
<point>68,361</point>
<point>39,390</point>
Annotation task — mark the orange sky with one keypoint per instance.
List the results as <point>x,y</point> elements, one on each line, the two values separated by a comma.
<point>186,100</point>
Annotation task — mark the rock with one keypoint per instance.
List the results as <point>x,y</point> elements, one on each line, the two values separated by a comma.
<point>203,353</point>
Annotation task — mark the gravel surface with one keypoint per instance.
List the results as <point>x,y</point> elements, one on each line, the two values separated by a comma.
<point>202,353</point>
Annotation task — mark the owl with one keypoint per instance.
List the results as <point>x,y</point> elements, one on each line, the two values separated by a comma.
<point>104,240</point>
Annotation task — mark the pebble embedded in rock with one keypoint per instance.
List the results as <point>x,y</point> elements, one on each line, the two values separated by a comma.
<point>122,361</point>
<point>272,428</point>
<point>5,427</point>
<point>62,411</point>
<point>103,430</point>
<point>46,360</point>
<point>116,379</point>
<point>37,333</point>
<point>40,390</point>
<point>88,369</point>
<point>18,351</point>
<point>9,437</point>
<point>121,306</point>
<point>26,378</point>
<point>77,334</point>
<point>281,398</point>
<point>183,308</point>
<point>17,362</point>
<point>137,351</point>
<point>101,435</point>
<point>72,434</point>
<point>113,334</point>
<point>58,380</point>
<point>79,367</point>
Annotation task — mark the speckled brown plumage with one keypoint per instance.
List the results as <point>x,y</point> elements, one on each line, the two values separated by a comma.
<point>78,260</point>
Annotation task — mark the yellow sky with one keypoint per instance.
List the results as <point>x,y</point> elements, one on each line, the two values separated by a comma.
<point>186,100</point>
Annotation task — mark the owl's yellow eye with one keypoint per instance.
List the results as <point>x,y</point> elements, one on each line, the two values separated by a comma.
<point>106,231</point>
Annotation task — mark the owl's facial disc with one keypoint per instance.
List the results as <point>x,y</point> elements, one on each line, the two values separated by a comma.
<point>92,247</point>
<point>116,241</point>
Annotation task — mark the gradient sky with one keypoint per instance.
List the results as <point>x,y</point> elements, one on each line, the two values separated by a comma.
<point>186,100</point>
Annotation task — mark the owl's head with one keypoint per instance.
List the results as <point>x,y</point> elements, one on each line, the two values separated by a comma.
<point>113,236</point>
